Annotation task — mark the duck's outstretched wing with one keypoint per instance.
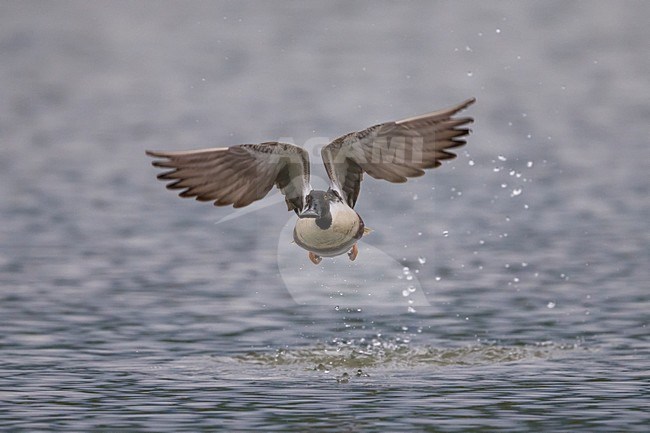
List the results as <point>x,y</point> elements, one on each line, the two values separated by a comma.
<point>394,151</point>
<point>238,175</point>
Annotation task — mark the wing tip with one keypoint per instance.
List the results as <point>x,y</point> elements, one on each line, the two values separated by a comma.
<point>443,114</point>
<point>167,175</point>
<point>469,101</point>
<point>160,163</point>
<point>155,153</point>
<point>463,105</point>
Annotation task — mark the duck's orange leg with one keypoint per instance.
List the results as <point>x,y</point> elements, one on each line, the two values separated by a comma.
<point>315,259</point>
<point>354,252</point>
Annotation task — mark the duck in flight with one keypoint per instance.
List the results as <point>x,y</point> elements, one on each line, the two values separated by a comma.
<point>327,224</point>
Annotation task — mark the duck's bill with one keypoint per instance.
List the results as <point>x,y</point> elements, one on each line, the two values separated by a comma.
<point>308,213</point>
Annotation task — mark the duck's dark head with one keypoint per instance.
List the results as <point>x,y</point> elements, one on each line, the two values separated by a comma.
<point>318,207</point>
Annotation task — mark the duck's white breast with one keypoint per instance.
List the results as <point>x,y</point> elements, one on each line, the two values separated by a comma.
<point>335,240</point>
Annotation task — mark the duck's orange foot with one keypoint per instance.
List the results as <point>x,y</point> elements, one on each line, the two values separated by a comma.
<point>354,252</point>
<point>315,259</point>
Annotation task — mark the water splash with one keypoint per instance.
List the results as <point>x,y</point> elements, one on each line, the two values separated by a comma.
<point>384,353</point>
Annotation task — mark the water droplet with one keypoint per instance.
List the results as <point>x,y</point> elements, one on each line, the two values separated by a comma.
<point>410,309</point>
<point>445,233</point>
<point>502,158</point>
<point>422,260</point>
<point>516,192</point>
<point>411,289</point>
<point>471,163</point>
<point>550,305</point>
<point>498,30</point>
<point>504,185</point>
<point>529,164</point>
<point>409,277</point>
<point>405,293</point>
<point>470,73</point>
<point>438,278</point>
<point>337,308</point>
<point>415,196</point>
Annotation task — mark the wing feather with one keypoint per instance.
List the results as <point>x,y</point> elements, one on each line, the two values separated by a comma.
<point>394,151</point>
<point>238,175</point>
